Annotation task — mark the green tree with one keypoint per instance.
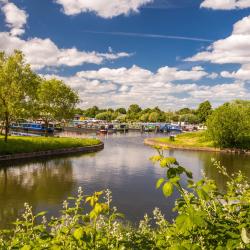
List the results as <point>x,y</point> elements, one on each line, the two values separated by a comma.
<point>229,125</point>
<point>106,116</point>
<point>17,88</point>
<point>184,111</point>
<point>121,110</point>
<point>154,117</point>
<point>134,108</point>
<point>189,118</point>
<point>55,100</point>
<point>92,112</point>
<point>203,111</point>
<point>144,117</point>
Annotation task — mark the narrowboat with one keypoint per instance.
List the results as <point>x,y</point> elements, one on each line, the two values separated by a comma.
<point>166,128</point>
<point>34,127</point>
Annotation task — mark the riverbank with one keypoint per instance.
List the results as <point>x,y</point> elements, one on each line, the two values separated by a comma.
<point>26,147</point>
<point>195,141</point>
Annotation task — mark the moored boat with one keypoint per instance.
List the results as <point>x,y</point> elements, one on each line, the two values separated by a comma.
<point>34,127</point>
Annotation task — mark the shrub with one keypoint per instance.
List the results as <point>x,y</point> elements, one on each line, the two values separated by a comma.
<point>229,125</point>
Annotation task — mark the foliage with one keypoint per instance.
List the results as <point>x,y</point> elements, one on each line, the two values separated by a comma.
<point>107,116</point>
<point>189,118</point>
<point>154,117</point>
<point>229,125</point>
<point>55,100</point>
<point>17,87</point>
<point>121,110</point>
<point>203,111</point>
<point>206,218</point>
<point>33,144</point>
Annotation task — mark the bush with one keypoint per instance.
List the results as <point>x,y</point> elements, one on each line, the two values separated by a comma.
<point>229,125</point>
<point>207,219</point>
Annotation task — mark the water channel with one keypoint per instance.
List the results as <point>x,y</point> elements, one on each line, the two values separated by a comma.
<point>123,167</point>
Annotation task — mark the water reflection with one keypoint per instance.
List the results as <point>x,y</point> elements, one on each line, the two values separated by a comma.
<point>123,167</point>
<point>36,183</point>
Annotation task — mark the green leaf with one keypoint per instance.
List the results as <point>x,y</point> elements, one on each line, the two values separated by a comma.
<point>166,162</point>
<point>26,247</point>
<point>245,236</point>
<point>78,233</point>
<point>159,182</point>
<point>41,214</point>
<point>171,173</point>
<point>168,189</point>
<point>175,179</point>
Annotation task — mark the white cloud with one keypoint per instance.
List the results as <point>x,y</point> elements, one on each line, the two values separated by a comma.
<point>108,87</point>
<point>15,18</point>
<point>225,4</point>
<point>243,73</point>
<point>103,8</point>
<point>137,74</point>
<point>42,53</point>
<point>213,75</point>
<point>234,49</point>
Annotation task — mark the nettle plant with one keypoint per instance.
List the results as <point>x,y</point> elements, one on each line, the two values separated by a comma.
<point>207,218</point>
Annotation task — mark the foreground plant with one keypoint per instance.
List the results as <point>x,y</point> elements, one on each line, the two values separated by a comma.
<point>207,218</point>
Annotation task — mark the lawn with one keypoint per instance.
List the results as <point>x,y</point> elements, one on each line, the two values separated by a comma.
<point>18,144</point>
<point>192,139</point>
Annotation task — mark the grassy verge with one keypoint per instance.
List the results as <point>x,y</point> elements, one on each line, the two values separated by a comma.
<point>18,144</point>
<point>191,140</point>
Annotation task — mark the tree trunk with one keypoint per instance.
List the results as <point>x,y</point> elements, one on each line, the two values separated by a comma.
<point>6,126</point>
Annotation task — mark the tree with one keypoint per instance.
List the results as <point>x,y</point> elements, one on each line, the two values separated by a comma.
<point>92,112</point>
<point>154,117</point>
<point>121,111</point>
<point>18,86</point>
<point>229,125</point>
<point>55,100</point>
<point>105,116</point>
<point>144,117</point>
<point>184,111</point>
<point>203,111</point>
<point>134,108</point>
<point>189,118</point>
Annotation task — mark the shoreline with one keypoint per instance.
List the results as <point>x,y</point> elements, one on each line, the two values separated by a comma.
<point>154,142</point>
<point>54,152</point>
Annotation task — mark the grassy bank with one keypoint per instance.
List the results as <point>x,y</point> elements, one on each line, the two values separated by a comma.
<point>190,140</point>
<point>18,144</point>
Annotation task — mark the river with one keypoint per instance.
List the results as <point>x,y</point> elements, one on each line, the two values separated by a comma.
<point>123,167</point>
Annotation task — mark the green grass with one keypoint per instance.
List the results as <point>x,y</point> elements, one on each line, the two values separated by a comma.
<point>193,139</point>
<point>18,144</point>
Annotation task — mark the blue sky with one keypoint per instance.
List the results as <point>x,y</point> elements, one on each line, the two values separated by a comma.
<point>152,52</point>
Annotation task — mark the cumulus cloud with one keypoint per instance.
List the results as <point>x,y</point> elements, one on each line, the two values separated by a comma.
<point>123,86</point>
<point>42,53</point>
<point>15,18</point>
<point>234,49</point>
<point>103,8</point>
<point>225,4</point>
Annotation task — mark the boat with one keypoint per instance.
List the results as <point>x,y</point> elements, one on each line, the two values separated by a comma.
<point>34,127</point>
<point>110,128</point>
<point>166,128</point>
<point>122,127</point>
<point>103,130</point>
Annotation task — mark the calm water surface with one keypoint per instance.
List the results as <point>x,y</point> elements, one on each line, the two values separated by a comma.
<point>123,167</point>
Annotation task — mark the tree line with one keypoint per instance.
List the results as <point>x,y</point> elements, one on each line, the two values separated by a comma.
<point>26,95</point>
<point>136,113</point>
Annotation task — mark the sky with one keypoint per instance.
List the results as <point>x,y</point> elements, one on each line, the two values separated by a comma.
<point>165,53</point>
